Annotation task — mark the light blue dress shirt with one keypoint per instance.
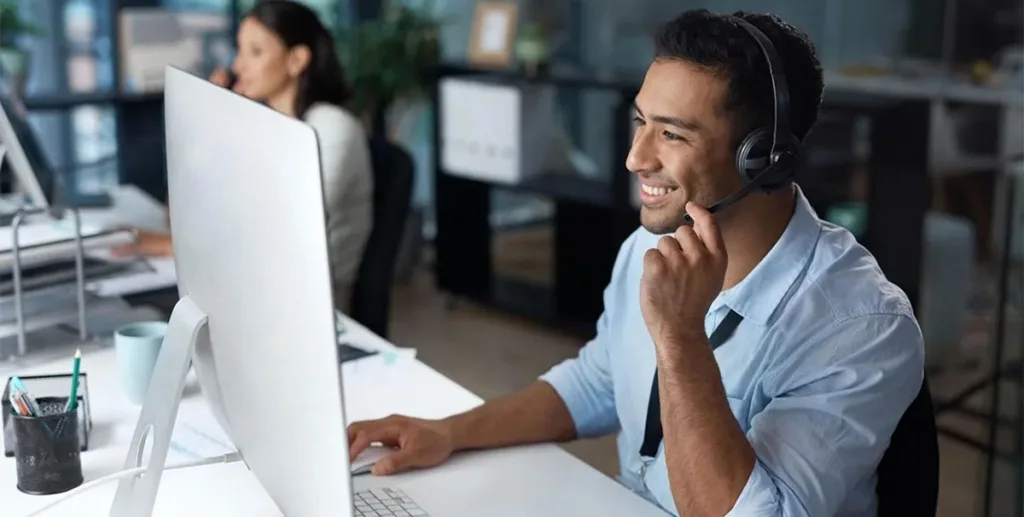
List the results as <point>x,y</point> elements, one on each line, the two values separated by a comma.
<point>826,360</point>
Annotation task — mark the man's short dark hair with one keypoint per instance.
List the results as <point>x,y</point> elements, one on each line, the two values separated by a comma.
<point>717,43</point>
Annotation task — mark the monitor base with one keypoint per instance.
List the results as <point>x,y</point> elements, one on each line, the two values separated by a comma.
<point>136,495</point>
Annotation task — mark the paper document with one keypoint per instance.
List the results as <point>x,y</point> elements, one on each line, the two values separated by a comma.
<point>370,383</point>
<point>197,435</point>
<point>379,366</point>
<point>46,232</point>
<point>55,240</point>
<point>161,275</point>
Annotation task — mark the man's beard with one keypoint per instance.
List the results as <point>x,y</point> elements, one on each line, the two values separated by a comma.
<point>663,221</point>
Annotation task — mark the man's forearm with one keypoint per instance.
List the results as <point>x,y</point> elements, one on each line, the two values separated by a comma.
<point>708,457</point>
<point>534,414</point>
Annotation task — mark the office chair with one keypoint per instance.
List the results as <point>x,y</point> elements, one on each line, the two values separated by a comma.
<point>392,199</point>
<point>908,475</point>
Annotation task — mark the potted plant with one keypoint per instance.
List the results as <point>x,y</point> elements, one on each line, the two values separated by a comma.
<point>532,49</point>
<point>14,61</point>
<point>388,63</point>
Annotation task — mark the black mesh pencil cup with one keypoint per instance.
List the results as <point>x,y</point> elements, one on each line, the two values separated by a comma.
<point>47,449</point>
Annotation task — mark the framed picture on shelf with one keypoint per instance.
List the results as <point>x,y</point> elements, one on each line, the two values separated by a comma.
<point>493,34</point>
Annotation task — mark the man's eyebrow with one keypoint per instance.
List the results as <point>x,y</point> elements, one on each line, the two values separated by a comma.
<point>685,125</point>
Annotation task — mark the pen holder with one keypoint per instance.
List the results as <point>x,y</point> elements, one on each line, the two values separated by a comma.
<point>47,449</point>
<point>48,386</point>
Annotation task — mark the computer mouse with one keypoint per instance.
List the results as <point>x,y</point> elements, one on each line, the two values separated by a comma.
<point>368,458</point>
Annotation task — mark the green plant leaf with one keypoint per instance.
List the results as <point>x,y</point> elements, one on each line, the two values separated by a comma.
<point>12,25</point>
<point>390,57</point>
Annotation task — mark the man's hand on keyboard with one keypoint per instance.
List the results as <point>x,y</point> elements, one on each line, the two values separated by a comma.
<point>419,443</point>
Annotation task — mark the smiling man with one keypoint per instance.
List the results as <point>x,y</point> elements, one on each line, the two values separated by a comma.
<point>754,361</point>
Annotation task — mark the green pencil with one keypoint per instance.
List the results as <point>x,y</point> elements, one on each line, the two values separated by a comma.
<point>73,401</point>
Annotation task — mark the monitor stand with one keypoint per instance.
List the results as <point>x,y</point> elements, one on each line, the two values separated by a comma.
<point>136,495</point>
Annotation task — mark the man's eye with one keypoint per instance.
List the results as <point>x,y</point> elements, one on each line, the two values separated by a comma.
<point>638,121</point>
<point>671,136</point>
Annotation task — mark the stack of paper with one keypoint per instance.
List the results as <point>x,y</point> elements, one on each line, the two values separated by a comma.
<point>161,274</point>
<point>55,240</point>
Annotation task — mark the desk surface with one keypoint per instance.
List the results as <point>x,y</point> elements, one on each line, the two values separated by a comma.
<point>536,481</point>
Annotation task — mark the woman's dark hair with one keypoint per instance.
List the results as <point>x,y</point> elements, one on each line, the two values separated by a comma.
<point>323,80</point>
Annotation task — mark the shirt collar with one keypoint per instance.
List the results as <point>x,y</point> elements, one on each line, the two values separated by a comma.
<point>758,295</point>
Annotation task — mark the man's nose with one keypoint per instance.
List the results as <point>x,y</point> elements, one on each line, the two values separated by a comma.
<point>641,156</point>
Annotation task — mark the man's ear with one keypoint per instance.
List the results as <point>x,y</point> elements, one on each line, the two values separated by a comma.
<point>298,60</point>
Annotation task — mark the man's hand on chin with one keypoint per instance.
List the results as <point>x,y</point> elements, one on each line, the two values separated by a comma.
<point>681,277</point>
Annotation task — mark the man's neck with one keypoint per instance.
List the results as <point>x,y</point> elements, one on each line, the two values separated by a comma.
<point>753,227</point>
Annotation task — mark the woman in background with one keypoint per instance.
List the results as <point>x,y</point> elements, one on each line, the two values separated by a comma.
<point>286,59</point>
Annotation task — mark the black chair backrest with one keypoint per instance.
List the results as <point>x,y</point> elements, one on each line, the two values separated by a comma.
<point>392,198</point>
<point>908,476</point>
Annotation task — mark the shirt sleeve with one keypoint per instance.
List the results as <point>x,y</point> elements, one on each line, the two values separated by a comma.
<point>585,381</point>
<point>832,414</point>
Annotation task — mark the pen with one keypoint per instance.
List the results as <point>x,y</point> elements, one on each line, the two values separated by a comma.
<point>17,405</point>
<point>29,404</point>
<point>73,400</point>
<point>29,401</point>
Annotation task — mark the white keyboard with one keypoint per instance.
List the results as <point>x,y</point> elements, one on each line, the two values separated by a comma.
<point>385,502</point>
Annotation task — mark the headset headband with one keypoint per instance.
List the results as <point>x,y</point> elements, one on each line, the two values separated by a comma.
<point>780,127</point>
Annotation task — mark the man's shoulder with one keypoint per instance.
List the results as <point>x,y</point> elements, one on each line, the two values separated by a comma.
<point>844,279</point>
<point>844,307</point>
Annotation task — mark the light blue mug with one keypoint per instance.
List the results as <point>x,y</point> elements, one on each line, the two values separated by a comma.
<point>138,347</point>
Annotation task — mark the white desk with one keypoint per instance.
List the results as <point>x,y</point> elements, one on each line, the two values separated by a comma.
<point>528,481</point>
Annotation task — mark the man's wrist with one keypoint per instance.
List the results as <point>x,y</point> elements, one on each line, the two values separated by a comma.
<point>452,427</point>
<point>677,344</point>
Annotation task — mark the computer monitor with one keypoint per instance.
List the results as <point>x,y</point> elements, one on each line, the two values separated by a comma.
<point>255,315</point>
<point>23,156</point>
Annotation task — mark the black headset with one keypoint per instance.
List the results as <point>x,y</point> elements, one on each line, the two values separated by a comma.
<point>768,156</point>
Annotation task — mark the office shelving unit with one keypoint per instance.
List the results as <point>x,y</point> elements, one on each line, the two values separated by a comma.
<point>138,118</point>
<point>591,218</point>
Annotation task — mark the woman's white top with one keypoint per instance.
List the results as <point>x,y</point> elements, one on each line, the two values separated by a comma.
<point>348,189</point>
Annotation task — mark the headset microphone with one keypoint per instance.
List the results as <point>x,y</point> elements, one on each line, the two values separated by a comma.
<point>768,156</point>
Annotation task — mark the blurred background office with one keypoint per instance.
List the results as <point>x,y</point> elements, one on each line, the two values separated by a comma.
<point>516,118</point>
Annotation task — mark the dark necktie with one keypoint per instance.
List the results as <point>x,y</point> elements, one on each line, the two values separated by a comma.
<point>653,432</point>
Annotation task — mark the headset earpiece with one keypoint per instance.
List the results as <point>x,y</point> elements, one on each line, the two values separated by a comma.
<point>755,161</point>
<point>752,155</point>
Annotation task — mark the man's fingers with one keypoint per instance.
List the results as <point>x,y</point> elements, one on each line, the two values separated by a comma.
<point>356,427</point>
<point>670,249</point>
<point>385,433</point>
<point>353,430</point>
<point>357,444</point>
<point>706,227</point>
<point>691,245</point>
<point>654,263</point>
<point>393,463</point>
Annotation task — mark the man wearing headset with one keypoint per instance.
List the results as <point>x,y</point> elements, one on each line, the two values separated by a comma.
<point>754,360</point>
